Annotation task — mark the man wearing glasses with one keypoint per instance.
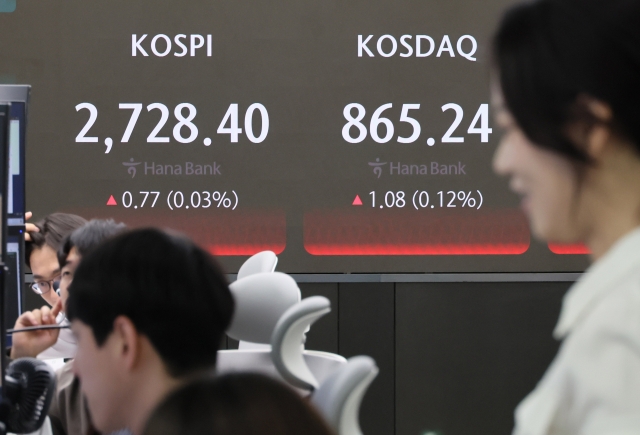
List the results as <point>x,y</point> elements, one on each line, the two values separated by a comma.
<point>43,240</point>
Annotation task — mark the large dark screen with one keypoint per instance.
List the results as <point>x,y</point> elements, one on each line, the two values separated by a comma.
<point>348,136</point>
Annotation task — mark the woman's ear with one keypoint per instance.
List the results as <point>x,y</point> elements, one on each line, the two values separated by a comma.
<point>600,133</point>
<point>599,110</point>
<point>597,140</point>
<point>592,128</point>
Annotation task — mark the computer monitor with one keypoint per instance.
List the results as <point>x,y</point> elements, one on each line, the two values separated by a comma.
<point>15,98</point>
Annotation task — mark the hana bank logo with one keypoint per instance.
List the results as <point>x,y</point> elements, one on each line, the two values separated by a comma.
<point>7,5</point>
<point>131,167</point>
<point>377,167</point>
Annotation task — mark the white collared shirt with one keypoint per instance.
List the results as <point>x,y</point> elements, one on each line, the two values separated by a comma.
<point>593,385</point>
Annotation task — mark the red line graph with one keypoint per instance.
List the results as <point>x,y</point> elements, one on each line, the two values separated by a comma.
<point>393,232</point>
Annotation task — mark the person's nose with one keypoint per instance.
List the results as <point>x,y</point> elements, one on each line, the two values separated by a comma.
<point>503,158</point>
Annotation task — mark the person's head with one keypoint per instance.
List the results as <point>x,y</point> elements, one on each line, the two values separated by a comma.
<point>149,310</point>
<point>40,252</point>
<point>78,244</point>
<point>236,404</point>
<point>567,90</point>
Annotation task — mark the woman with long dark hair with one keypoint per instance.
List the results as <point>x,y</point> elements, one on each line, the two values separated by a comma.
<point>567,92</point>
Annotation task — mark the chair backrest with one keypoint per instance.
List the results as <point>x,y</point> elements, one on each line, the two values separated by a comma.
<point>262,262</point>
<point>321,364</point>
<point>287,341</point>
<point>261,299</point>
<point>339,397</point>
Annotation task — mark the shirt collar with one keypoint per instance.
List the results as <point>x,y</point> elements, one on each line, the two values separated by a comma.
<point>622,259</point>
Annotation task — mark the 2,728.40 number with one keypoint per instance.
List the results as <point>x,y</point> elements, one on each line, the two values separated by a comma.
<point>229,124</point>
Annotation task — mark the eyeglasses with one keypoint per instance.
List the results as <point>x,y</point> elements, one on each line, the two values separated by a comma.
<point>44,287</point>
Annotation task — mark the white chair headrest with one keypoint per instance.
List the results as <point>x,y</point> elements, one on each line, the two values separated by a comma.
<point>262,262</point>
<point>260,301</point>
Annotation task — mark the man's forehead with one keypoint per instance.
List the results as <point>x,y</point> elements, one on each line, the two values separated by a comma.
<point>44,263</point>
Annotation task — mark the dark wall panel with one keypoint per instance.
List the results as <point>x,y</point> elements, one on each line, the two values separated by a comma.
<point>467,353</point>
<point>324,333</point>
<point>367,328</point>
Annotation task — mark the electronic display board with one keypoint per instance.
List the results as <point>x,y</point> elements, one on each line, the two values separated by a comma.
<point>345,136</point>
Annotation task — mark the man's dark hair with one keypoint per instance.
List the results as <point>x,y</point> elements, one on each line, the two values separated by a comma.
<point>86,238</point>
<point>172,291</point>
<point>551,54</point>
<point>53,229</point>
<point>236,404</point>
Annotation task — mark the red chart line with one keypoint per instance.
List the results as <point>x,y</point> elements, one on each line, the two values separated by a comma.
<point>468,232</point>
<point>220,232</point>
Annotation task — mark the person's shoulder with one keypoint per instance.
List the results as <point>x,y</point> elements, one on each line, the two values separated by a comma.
<point>616,316</point>
<point>621,303</point>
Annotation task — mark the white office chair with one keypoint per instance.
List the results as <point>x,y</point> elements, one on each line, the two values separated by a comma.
<point>318,365</point>
<point>262,262</point>
<point>339,397</point>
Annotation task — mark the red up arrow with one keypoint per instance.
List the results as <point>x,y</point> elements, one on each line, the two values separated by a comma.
<point>357,201</point>
<point>112,201</point>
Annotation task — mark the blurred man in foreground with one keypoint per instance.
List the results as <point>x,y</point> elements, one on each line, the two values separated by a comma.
<point>149,310</point>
